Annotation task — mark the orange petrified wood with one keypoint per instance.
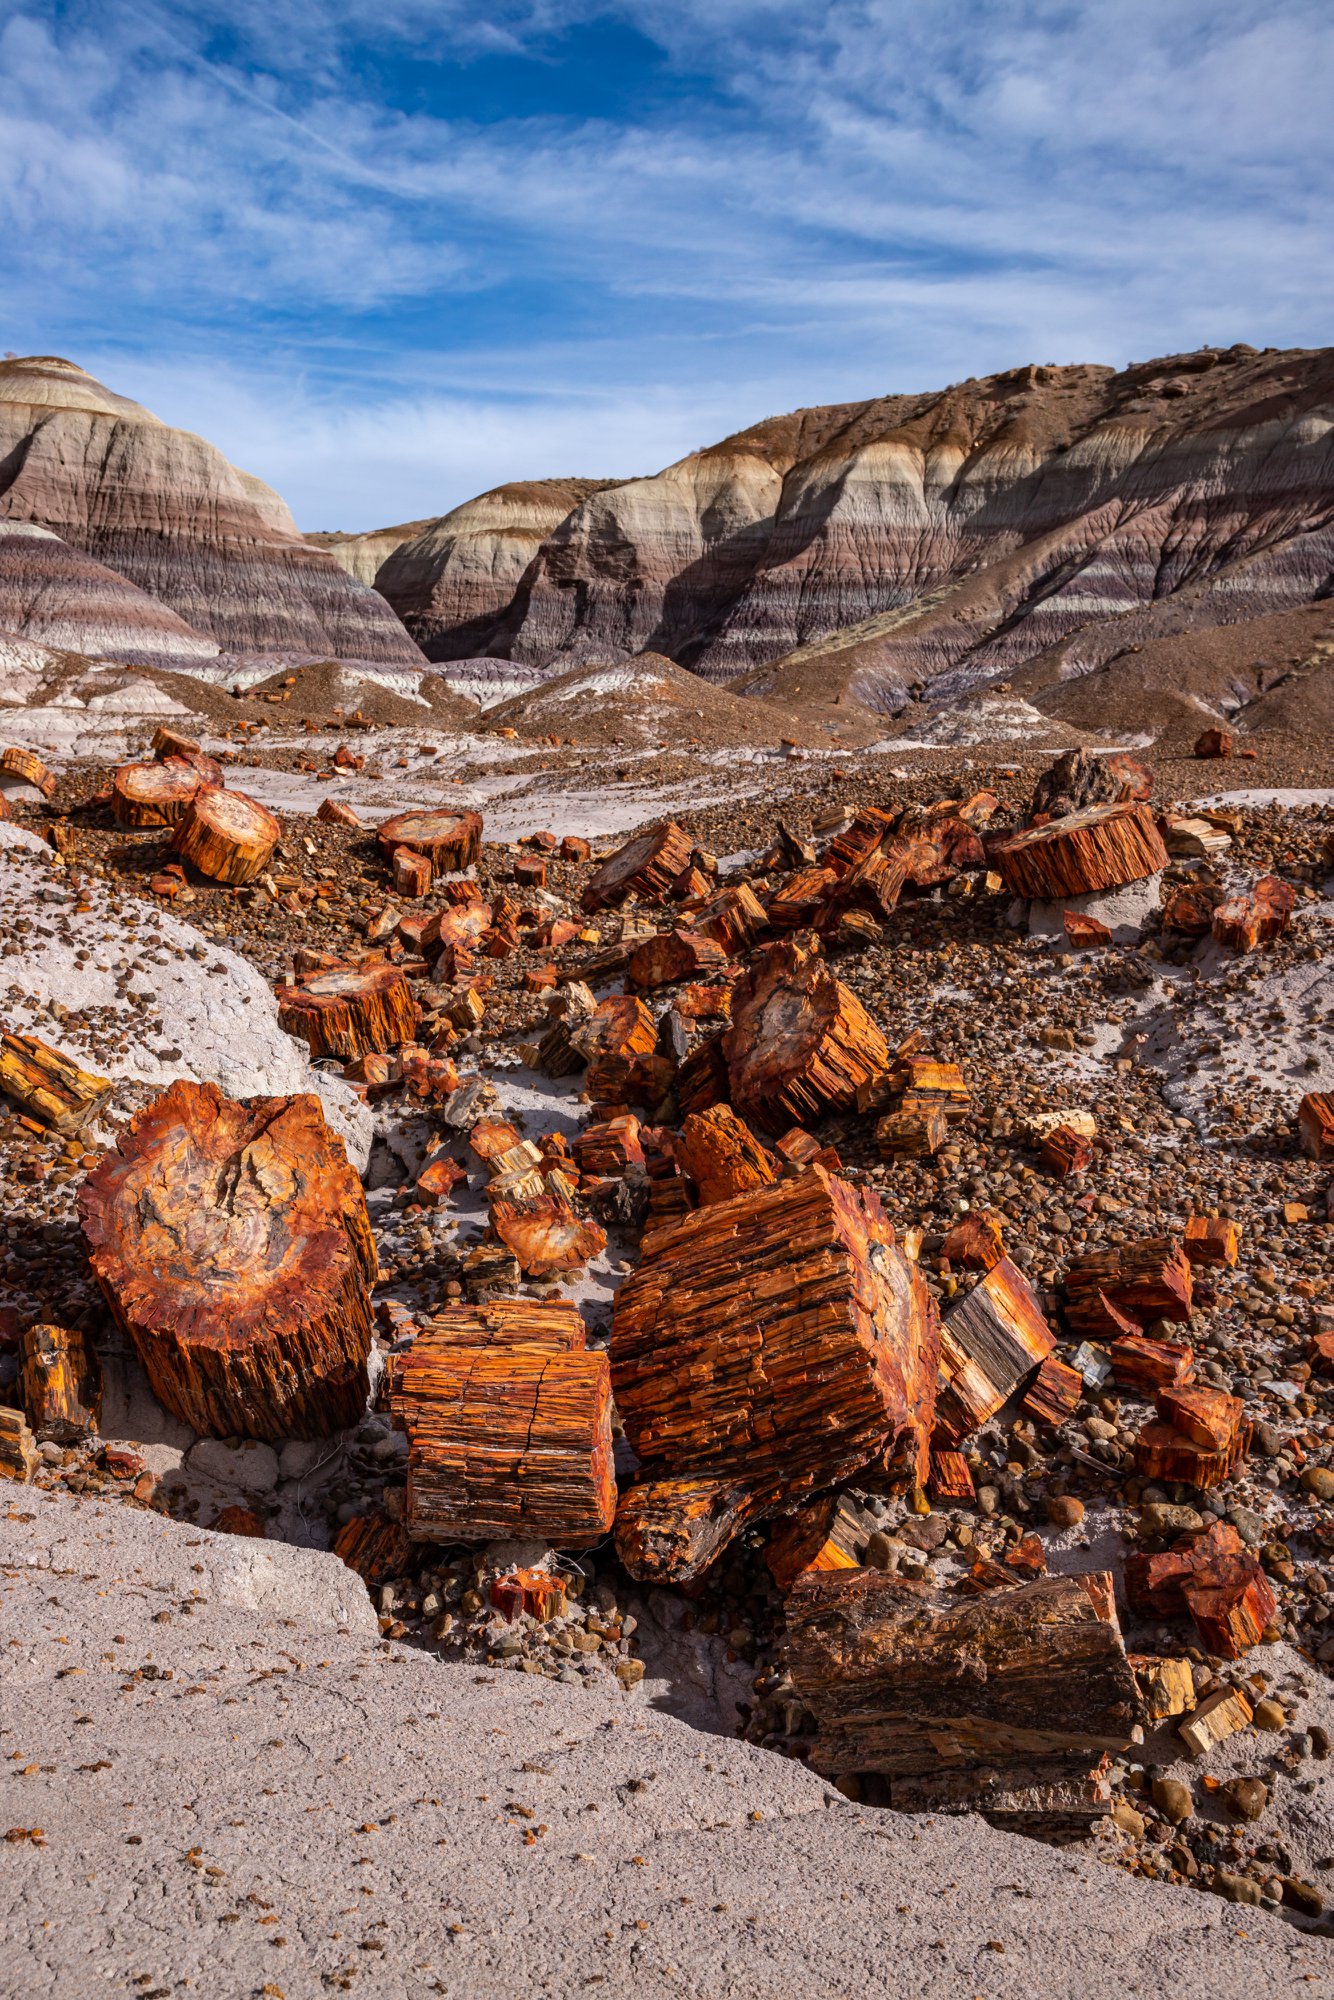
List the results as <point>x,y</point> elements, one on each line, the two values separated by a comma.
<point>722,1155</point>
<point>1248,920</point>
<point>766,1348</point>
<point>1102,847</point>
<point>153,794</point>
<point>645,866</point>
<point>1211,1239</point>
<point>1121,1290</point>
<point>449,840</point>
<point>508,1420</point>
<point>231,1242</point>
<point>1315,1124</point>
<point>349,1011</point>
<point>800,1043</point>
<point>227,836</point>
<point>61,1380</point>
<point>988,1343</point>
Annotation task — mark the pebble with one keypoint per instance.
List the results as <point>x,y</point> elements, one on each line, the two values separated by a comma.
<point>1246,1797</point>
<point>1065,1511</point>
<point>1318,1481</point>
<point>1269,1714</point>
<point>1172,1799</point>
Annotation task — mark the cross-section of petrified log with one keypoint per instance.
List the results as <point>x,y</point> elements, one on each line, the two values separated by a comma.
<point>508,1420</point>
<point>1002,1703</point>
<point>1315,1124</point>
<point>673,956</point>
<point>231,1242</point>
<point>26,764</point>
<point>645,866</point>
<point>226,835</point>
<point>988,1343</point>
<point>1255,918</point>
<point>766,1347</point>
<point>1103,847</point>
<point>449,840</point>
<point>800,1043</point>
<point>350,1011</point>
<point>722,1155</point>
<point>1139,1282</point>
<point>61,1380</point>
<point>153,794</point>
<point>48,1086</point>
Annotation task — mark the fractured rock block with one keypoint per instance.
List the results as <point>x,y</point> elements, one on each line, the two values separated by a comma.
<point>673,956</point>
<point>61,1380</point>
<point>645,866</point>
<point>1100,847</point>
<point>1211,1239</point>
<point>800,1043</point>
<point>1122,1289</point>
<point>1315,1124</point>
<point>989,1342</point>
<point>722,1155</point>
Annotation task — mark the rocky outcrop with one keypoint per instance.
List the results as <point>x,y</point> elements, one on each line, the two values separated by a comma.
<point>935,542</point>
<point>362,556</point>
<point>453,582</point>
<point>214,549</point>
<point>52,593</point>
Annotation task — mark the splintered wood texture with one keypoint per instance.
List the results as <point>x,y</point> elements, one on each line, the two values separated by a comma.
<point>646,866</point>
<point>988,1344</point>
<point>350,1011</point>
<point>552,1326</point>
<point>226,835</point>
<point>735,917</point>
<point>1102,847</point>
<point>18,1446</point>
<point>532,1215</point>
<point>1141,1282</point>
<point>960,1701</point>
<point>609,1148</point>
<point>1215,1580</point>
<point>1247,921</point>
<point>1315,1124</point>
<point>449,840</point>
<point>48,1086</point>
<point>1053,1393</point>
<point>800,1043</point>
<point>798,898</point>
<point>766,1347</point>
<point>673,956</point>
<point>1211,1239</point>
<point>1202,1438</point>
<point>60,1378</point>
<point>375,1547</point>
<point>153,794</point>
<point>231,1242</point>
<point>510,1438</point>
<point>1144,1365</point>
<point>722,1155</point>
<point>26,764</point>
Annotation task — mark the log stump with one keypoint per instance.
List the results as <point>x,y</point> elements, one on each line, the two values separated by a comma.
<point>646,866</point>
<point>49,1086</point>
<point>766,1347</point>
<point>1103,847</point>
<point>227,836</point>
<point>153,794</point>
<point>232,1244</point>
<point>508,1420</point>
<point>800,1043</point>
<point>354,1010</point>
<point>449,840</point>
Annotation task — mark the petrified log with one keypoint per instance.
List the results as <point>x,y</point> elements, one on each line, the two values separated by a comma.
<point>863,834</point>
<point>337,812</point>
<point>1053,1393</point>
<point>1079,779</point>
<point>1214,743</point>
<point>1206,1453</point>
<point>800,1043</point>
<point>27,765</point>
<point>913,1134</point>
<point>18,1446</point>
<point>1146,1365</point>
<point>449,840</point>
<point>1257,918</point>
<point>411,872</point>
<point>798,899</point>
<point>350,1011</point>
<point>1315,1124</point>
<point>988,1343</point>
<point>1189,910</point>
<point>1214,1239</point>
<point>1005,1703</point>
<point>672,956</point>
<point>226,835</point>
<point>231,1242</point>
<point>508,1420</point>
<point>1139,1282</point>
<point>1102,847</point>
<point>48,1086</point>
<point>722,1155</point>
<point>375,1546</point>
<point>766,1347</point>
<point>61,1381</point>
<point>169,743</point>
<point>153,794</point>
<point>646,866</point>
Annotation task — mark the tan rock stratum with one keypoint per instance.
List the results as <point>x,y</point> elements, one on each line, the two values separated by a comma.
<point>122,536</point>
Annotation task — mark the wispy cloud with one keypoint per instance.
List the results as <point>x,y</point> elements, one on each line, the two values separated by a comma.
<point>295,225</point>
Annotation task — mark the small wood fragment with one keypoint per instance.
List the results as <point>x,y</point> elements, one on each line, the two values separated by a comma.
<point>1053,1393</point>
<point>49,1086</point>
<point>1211,1239</point>
<point>375,1546</point>
<point>1220,1715</point>
<point>1315,1124</point>
<point>18,1447</point>
<point>60,1378</point>
<point>1256,918</point>
<point>411,872</point>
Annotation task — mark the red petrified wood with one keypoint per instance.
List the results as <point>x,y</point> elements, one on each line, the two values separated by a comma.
<point>1103,847</point>
<point>800,1043</point>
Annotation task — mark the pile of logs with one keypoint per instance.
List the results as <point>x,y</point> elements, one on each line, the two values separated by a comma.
<point>508,1421</point>
<point>767,1347</point>
<point>232,1244</point>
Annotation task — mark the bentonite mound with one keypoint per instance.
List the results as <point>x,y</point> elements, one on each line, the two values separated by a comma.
<point>214,550</point>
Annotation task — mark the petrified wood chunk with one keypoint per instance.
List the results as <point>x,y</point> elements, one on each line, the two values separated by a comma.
<point>1146,1365</point>
<point>1214,1239</point>
<point>722,1155</point>
<point>350,1011</point>
<point>988,1343</point>
<point>1102,847</point>
<point>169,743</point>
<point>702,1080</point>
<point>911,1135</point>
<point>934,853</point>
<point>226,835</point>
<point>1212,1577</point>
<point>1120,1290</point>
<point>1253,919</point>
<point>533,1216</point>
<point>508,1420</point>
<point>1203,1436</point>
<point>860,837</point>
<point>375,1546</point>
<point>1315,1124</point>
<point>735,917</point>
<point>989,1703</point>
<point>1214,743</point>
<point>48,1086</point>
<point>766,1347</point>
<point>1065,1152</point>
<point>28,766</point>
<point>974,1243</point>
<point>1189,910</point>
<point>18,1446</point>
<point>1080,778</point>
<point>337,812</point>
<point>1053,1393</point>
<point>798,898</point>
<point>153,794</point>
<point>672,956</point>
<point>1083,932</point>
<point>412,873</point>
<point>800,1043</point>
<point>61,1380</point>
<point>449,840</point>
<point>231,1242</point>
<point>645,866</point>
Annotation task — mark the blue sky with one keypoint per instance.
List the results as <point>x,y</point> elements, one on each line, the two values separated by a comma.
<point>387,253</point>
